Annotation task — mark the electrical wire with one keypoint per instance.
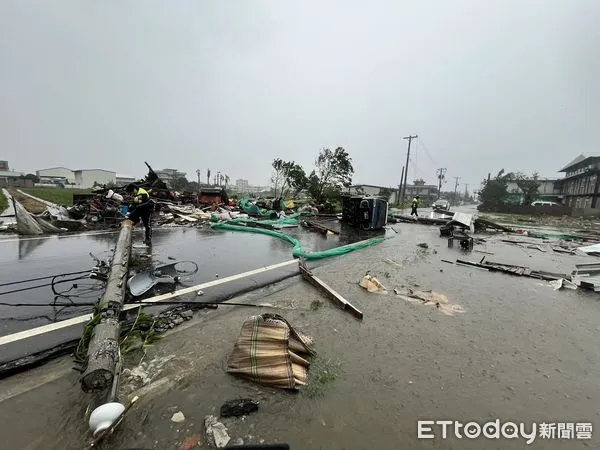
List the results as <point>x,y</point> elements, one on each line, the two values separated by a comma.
<point>427,152</point>
<point>44,278</point>
<point>77,305</point>
<point>52,283</point>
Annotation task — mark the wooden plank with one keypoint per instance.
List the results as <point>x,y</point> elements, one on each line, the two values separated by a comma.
<point>328,291</point>
<point>322,228</point>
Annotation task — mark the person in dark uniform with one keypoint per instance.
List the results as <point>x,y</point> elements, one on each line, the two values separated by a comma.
<point>414,206</point>
<point>141,208</point>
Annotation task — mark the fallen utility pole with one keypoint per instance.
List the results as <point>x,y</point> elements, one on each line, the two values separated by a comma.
<point>329,292</point>
<point>103,350</point>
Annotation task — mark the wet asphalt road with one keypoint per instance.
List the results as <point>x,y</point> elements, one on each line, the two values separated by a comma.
<point>520,352</point>
<point>217,253</point>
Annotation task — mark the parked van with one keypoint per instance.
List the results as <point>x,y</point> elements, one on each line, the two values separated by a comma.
<point>544,203</point>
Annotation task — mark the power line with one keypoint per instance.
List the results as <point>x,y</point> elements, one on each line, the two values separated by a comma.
<point>427,152</point>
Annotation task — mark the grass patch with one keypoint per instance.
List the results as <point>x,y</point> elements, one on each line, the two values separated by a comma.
<point>60,196</point>
<point>33,206</point>
<point>320,375</point>
<point>316,304</point>
<point>3,202</point>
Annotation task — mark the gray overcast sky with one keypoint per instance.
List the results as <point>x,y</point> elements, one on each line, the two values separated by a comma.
<point>230,85</point>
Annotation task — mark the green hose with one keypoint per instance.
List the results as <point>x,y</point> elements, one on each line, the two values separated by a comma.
<point>297,252</point>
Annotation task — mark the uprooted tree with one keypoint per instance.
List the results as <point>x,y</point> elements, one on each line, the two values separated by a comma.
<point>288,178</point>
<point>333,171</point>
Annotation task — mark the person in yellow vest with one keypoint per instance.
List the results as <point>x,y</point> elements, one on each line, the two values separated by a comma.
<point>414,206</point>
<point>141,208</point>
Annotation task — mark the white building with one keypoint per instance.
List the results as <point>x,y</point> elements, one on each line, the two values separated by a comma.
<point>123,180</point>
<point>87,178</point>
<point>57,172</point>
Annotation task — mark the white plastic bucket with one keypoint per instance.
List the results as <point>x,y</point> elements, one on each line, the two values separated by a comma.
<point>114,196</point>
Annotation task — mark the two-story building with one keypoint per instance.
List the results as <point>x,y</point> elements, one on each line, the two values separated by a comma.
<point>548,190</point>
<point>580,188</point>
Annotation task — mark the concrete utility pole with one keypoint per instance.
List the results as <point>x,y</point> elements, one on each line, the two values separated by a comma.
<point>409,138</point>
<point>103,350</point>
<point>441,174</point>
<point>400,186</point>
<point>455,188</point>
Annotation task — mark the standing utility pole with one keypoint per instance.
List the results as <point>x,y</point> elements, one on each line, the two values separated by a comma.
<point>455,188</point>
<point>441,174</point>
<point>409,138</point>
<point>466,192</point>
<point>400,186</point>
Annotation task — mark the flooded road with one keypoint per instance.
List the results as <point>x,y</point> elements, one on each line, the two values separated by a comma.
<point>218,254</point>
<point>520,352</point>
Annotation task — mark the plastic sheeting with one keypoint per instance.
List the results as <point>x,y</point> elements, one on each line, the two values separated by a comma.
<point>26,224</point>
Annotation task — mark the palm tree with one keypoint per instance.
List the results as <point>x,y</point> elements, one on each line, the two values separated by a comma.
<point>226,180</point>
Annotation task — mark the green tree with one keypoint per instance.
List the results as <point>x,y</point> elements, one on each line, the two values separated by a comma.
<point>288,177</point>
<point>333,171</point>
<point>529,187</point>
<point>495,190</point>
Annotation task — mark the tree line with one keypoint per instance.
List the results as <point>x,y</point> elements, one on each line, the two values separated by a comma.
<point>332,172</point>
<point>494,192</point>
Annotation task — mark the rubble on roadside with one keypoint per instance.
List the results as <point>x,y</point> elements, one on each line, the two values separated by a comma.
<point>372,284</point>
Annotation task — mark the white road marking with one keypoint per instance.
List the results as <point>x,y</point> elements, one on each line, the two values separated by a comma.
<point>11,338</point>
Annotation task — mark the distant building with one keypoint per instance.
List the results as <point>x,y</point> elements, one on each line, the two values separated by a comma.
<point>242,185</point>
<point>56,172</point>
<point>368,189</point>
<point>10,178</point>
<point>87,178</point>
<point>548,190</point>
<point>422,190</point>
<point>169,175</point>
<point>84,178</point>
<point>123,180</point>
<point>580,188</point>
<point>4,165</point>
